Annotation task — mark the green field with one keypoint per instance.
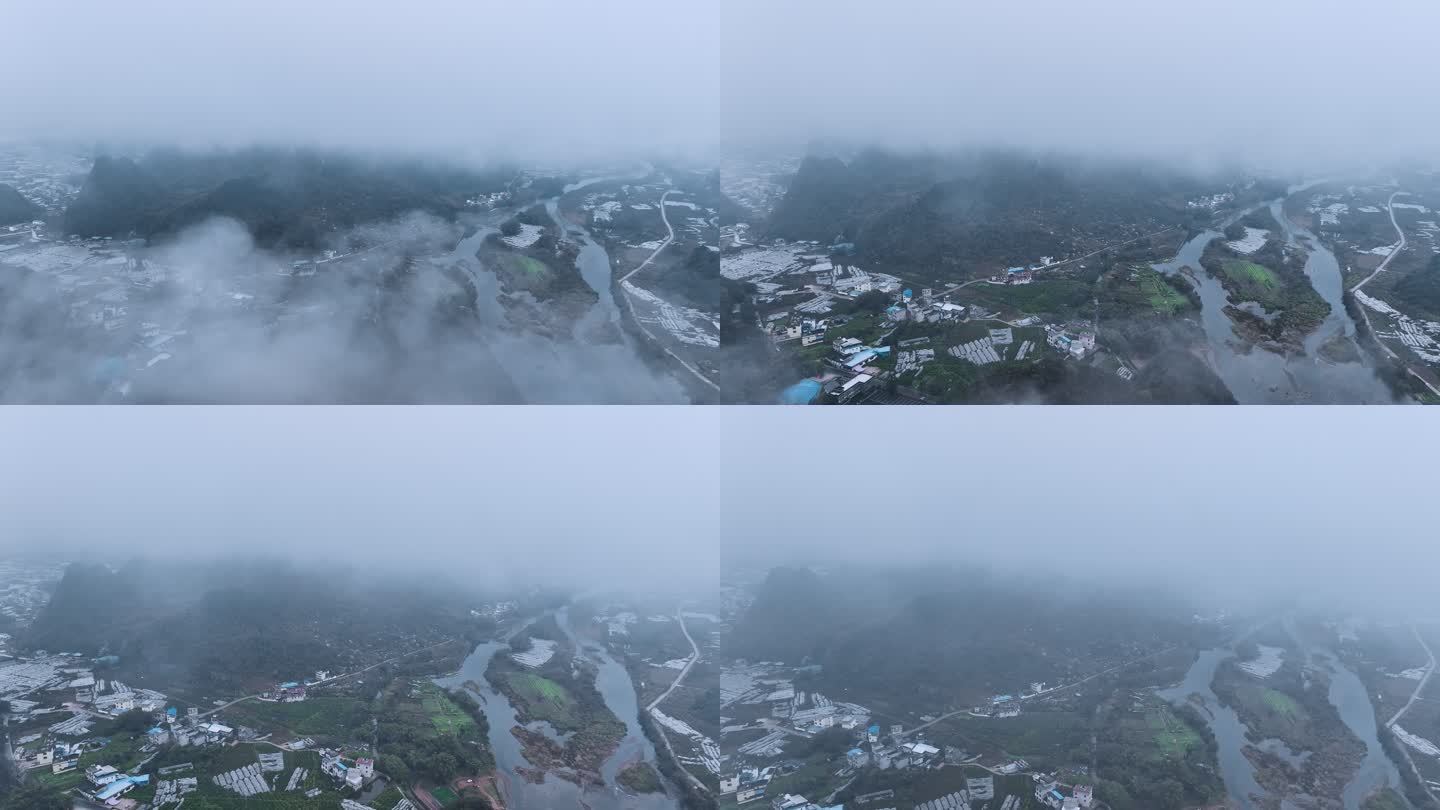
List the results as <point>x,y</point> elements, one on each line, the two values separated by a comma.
<point>444,795</point>
<point>1164,299</point>
<point>336,717</point>
<point>390,797</point>
<point>533,267</point>
<point>443,713</point>
<point>545,700</point>
<point>1282,704</point>
<point>1251,273</point>
<point>1173,738</point>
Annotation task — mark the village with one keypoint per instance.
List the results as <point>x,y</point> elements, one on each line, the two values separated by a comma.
<point>99,735</point>
<point>761,703</point>
<point>812,300</point>
<point>797,748</point>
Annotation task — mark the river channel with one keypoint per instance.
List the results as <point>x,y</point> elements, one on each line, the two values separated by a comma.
<point>1347,694</point>
<point>614,684</point>
<point>598,366</point>
<point>1258,376</point>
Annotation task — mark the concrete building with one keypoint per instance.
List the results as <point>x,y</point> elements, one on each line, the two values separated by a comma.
<point>101,775</point>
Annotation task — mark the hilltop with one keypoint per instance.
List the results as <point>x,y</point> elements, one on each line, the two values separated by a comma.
<point>288,198</point>
<point>14,207</point>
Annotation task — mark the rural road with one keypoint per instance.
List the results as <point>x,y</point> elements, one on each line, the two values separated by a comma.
<point>1390,206</point>
<point>1365,311</point>
<point>1053,265</point>
<point>664,734</point>
<point>630,303</point>
<point>694,656</point>
<point>331,679</point>
<point>670,237</point>
<point>1405,749</point>
<point>1049,691</point>
<point>1429,670</point>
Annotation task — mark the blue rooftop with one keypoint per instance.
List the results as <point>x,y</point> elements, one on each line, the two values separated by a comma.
<point>801,393</point>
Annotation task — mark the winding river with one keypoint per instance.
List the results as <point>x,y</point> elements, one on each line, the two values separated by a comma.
<point>614,685</point>
<point>1347,693</point>
<point>1258,376</point>
<point>599,366</point>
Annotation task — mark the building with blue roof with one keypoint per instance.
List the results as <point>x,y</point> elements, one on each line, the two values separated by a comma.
<point>121,786</point>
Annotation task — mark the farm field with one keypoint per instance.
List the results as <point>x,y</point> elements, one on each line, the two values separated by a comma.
<point>1251,273</point>
<point>546,700</point>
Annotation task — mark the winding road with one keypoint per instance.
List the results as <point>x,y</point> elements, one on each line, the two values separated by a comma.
<point>1405,749</point>
<point>664,735</point>
<point>1389,206</point>
<point>1365,311</point>
<point>625,280</point>
<point>694,656</point>
<point>332,678</point>
<point>1049,691</point>
<point>1429,670</point>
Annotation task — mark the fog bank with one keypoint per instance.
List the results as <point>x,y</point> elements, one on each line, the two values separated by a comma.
<point>1287,84</point>
<point>500,497</point>
<point>1222,504</point>
<point>550,80</point>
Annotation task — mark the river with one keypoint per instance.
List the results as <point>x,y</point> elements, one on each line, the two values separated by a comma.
<point>582,370</point>
<point>1258,376</point>
<point>614,685</point>
<point>1347,694</point>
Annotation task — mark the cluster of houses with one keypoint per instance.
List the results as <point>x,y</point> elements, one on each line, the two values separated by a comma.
<point>791,801</point>
<point>288,692</point>
<point>108,784</point>
<point>1052,794</point>
<point>354,774</point>
<point>1079,344</point>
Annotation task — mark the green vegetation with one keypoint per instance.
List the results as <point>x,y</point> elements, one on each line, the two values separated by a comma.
<point>1252,274</point>
<point>640,777</point>
<point>1163,297</point>
<point>545,700</point>
<point>1275,279</point>
<point>448,717</point>
<point>15,207</point>
<point>388,798</point>
<point>912,789</point>
<point>335,718</point>
<point>444,795</point>
<point>35,797</point>
<point>1282,704</point>
<point>1294,707</point>
<point>531,266</point>
<point>1061,297</point>
<point>285,197</point>
<point>1154,755</point>
<point>1045,739</point>
<point>1420,289</point>
<point>424,732</point>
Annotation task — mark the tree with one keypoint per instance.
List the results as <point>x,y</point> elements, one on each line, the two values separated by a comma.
<point>511,227</point>
<point>134,721</point>
<point>520,643</point>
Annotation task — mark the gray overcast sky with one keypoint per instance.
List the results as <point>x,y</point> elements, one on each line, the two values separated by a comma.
<point>1290,82</point>
<point>1332,503</point>
<point>541,78</point>
<point>622,496</point>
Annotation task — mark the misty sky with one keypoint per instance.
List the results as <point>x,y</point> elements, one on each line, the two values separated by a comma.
<point>546,79</point>
<point>1289,82</point>
<point>620,496</point>
<point>1306,84</point>
<point>1330,503</point>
